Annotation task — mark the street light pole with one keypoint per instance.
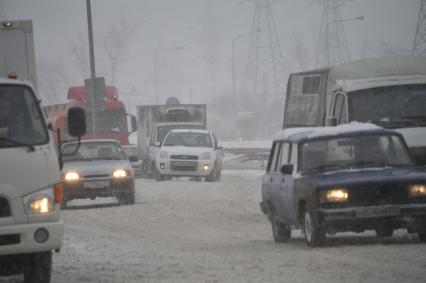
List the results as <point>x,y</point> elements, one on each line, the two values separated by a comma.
<point>360,18</point>
<point>157,98</point>
<point>234,88</point>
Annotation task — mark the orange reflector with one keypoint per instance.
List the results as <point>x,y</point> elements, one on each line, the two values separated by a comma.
<point>59,193</point>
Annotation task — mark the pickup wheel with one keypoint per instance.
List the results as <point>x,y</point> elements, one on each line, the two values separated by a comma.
<point>280,232</point>
<point>39,268</point>
<point>314,235</point>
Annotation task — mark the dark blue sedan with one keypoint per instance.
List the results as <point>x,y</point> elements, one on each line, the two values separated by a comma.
<point>354,177</point>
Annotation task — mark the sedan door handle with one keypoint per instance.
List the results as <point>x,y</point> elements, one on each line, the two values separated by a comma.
<point>271,179</point>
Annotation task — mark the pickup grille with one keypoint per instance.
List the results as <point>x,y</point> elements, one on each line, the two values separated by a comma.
<point>184,165</point>
<point>4,208</point>
<point>11,239</point>
<point>184,157</point>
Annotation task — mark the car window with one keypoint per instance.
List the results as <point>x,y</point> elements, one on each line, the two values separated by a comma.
<point>284,157</point>
<point>189,139</point>
<point>273,158</point>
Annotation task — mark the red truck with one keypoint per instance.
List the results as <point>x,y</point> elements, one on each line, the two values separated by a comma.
<point>111,116</point>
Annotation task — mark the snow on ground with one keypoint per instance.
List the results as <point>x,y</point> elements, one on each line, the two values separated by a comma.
<point>184,231</point>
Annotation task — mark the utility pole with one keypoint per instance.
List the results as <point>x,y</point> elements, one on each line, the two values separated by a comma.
<point>332,47</point>
<point>92,66</point>
<point>419,46</point>
<point>265,73</point>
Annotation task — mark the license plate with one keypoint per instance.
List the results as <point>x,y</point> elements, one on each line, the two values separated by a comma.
<point>377,211</point>
<point>96,184</point>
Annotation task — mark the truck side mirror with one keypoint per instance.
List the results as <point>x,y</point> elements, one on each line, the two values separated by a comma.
<point>76,122</point>
<point>331,121</point>
<point>287,169</point>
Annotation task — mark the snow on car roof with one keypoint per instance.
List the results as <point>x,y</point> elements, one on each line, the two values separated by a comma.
<point>190,130</point>
<point>298,134</point>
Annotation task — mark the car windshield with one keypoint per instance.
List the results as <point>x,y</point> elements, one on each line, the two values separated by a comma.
<point>394,106</point>
<point>107,121</point>
<point>189,139</point>
<point>21,121</point>
<point>93,151</point>
<point>164,130</point>
<point>353,152</point>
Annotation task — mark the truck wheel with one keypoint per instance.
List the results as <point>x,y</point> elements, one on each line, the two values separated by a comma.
<point>384,231</point>
<point>422,235</point>
<point>280,232</point>
<point>314,236</point>
<point>39,268</point>
<point>158,176</point>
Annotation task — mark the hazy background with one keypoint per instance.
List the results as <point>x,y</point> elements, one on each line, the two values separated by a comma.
<point>202,70</point>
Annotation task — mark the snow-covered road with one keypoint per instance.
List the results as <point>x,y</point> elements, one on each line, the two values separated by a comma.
<point>183,231</point>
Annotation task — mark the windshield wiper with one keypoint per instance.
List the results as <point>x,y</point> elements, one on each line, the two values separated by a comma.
<point>31,148</point>
<point>369,163</point>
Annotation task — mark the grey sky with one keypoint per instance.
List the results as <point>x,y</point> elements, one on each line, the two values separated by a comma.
<point>59,24</point>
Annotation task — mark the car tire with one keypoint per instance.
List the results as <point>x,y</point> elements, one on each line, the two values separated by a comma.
<point>384,231</point>
<point>280,232</point>
<point>218,174</point>
<point>39,268</point>
<point>158,176</point>
<point>314,235</point>
<point>422,235</point>
<point>213,176</point>
<point>131,197</point>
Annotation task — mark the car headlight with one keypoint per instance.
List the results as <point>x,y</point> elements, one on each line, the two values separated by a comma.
<point>121,173</point>
<point>164,154</point>
<point>418,190</point>
<point>334,195</point>
<point>71,176</point>
<point>205,156</point>
<point>40,202</point>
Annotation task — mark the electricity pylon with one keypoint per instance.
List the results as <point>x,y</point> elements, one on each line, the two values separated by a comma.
<point>419,46</point>
<point>332,47</point>
<point>265,74</point>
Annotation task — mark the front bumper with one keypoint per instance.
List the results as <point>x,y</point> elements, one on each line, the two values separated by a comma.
<point>19,239</point>
<point>399,216</point>
<point>193,168</point>
<point>106,187</point>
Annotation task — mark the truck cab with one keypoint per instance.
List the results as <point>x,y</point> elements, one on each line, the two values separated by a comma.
<point>389,92</point>
<point>30,185</point>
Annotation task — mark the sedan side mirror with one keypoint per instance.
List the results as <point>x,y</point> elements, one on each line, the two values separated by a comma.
<point>133,158</point>
<point>287,169</point>
<point>76,122</point>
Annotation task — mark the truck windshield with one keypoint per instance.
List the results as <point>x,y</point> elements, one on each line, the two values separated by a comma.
<point>189,139</point>
<point>21,121</point>
<point>108,121</point>
<point>391,107</point>
<point>353,152</point>
<point>93,151</point>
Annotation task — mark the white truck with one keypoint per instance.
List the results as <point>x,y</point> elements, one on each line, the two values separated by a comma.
<point>30,185</point>
<point>387,91</point>
<point>155,121</point>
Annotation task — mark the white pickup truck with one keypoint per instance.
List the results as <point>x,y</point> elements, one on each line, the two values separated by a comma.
<point>30,185</point>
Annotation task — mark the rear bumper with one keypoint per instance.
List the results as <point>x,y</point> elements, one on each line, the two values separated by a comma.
<point>19,239</point>
<point>399,216</point>
<point>115,187</point>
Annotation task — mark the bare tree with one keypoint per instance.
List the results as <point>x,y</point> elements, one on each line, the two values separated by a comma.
<point>114,43</point>
<point>80,52</point>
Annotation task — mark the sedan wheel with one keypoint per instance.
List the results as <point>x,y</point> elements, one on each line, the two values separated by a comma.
<point>314,236</point>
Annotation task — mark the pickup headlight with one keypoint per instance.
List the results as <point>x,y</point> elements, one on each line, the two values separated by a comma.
<point>40,202</point>
<point>205,156</point>
<point>164,154</point>
<point>418,190</point>
<point>71,176</point>
<point>121,173</point>
<point>334,195</point>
